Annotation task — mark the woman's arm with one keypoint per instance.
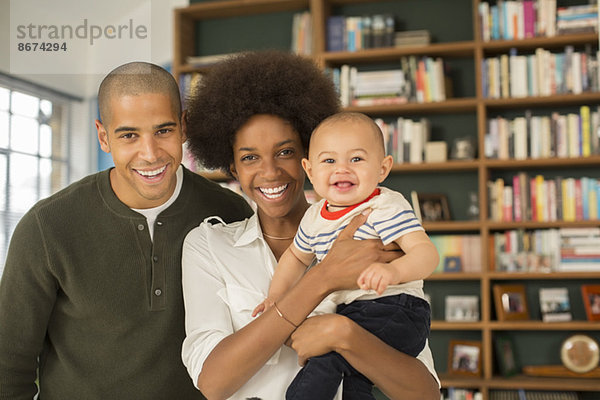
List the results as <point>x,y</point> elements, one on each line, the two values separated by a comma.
<point>250,347</point>
<point>398,375</point>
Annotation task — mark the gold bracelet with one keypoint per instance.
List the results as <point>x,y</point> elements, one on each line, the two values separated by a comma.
<point>283,316</point>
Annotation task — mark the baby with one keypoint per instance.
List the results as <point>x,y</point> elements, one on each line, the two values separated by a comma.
<point>346,163</point>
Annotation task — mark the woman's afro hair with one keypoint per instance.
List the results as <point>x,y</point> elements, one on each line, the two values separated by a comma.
<point>262,82</point>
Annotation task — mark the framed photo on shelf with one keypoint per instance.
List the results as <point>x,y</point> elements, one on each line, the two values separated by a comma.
<point>464,358</point>
<point>462,308</point>
<point>430,207</point>
<point>511,302</point>
<point>506,356</point>
<point>591,300</point>
<point>555,305</point>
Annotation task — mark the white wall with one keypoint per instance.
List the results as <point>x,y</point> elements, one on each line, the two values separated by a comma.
<point>85,85</point>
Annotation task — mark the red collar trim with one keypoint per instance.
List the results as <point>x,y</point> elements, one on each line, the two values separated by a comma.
<point>333,215</point>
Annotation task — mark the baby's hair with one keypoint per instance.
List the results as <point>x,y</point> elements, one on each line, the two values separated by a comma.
<point>270,82</point>
<point>133,79</point>
<point>346,116</point>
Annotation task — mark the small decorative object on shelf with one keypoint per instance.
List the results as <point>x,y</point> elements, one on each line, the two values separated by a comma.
<point>555,305</point>
<point>464,358</point>
<point>591,300</point>
<point>506,356</point>
<point>462,308</point>
<point>580,353</point>
<point>511,302</point>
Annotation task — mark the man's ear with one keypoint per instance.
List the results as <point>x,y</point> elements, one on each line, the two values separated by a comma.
<point>307,168</point>
<point>386,166</point>
<point>183,127</point>
<point>102,137</point>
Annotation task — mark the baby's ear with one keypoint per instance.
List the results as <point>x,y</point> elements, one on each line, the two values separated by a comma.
<point>307,168</point>
<point>386,166</point>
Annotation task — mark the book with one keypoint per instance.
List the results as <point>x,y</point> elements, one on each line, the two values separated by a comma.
<point>335,33</point>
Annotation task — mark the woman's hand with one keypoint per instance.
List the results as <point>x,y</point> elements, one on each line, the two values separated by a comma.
<point>317,335</point>
<point>347,258</point>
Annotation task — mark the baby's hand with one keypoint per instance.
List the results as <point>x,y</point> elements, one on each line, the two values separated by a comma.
<point>262,307</point>
<point>377,276</point>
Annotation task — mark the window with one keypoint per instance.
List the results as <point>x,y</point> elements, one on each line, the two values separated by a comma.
<point>34,151</point>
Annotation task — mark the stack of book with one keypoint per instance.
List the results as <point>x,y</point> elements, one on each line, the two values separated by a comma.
<point>358,33</point>
<point>378,87</point>
<point>556,135</point>
<point>577,19</point>
<point>579,249</point>
<point>420,79</point>
<point>412,38</point>
<point>540,74</point>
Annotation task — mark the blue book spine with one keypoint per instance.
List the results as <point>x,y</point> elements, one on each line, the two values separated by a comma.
<point>336,25</point>
<point>495,23</point>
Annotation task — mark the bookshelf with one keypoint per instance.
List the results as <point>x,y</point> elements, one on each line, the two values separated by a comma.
<point>466,113</point>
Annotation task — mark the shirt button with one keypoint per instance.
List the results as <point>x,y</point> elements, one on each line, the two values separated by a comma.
<point>158,292</point>
<point>155,258</point>
<point>140,227</point>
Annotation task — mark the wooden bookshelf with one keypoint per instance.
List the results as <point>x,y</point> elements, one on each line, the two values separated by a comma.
<point>471,103</point>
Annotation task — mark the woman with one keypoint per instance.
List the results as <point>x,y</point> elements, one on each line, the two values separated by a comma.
<point>253,116</point>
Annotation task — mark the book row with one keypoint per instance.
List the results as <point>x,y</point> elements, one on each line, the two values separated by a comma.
<point>357,33</point>
<point>543,199</point>
<point>544,136</point>
<point>420,79</point>
<point>461,394</point>
<point>542,73</point>
<point>521,394</point>
<point>458,253</point>
<point>546,250</point>
<point>510,20</point>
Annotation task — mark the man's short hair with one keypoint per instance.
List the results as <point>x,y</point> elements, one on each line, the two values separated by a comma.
<point>133,79</point>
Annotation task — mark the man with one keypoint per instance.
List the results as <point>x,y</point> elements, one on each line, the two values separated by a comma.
<point>91,292</point>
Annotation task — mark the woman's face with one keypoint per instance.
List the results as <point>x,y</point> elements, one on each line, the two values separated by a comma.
<point>267,154</point>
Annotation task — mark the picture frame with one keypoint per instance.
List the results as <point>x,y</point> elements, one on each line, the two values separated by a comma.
<point>591,300</point>
<point>505,356</point>
<point>511,302</point>
<point>462,308</point>
<point>555,305</point>
<point>464,358</point>
<point>431,207</point>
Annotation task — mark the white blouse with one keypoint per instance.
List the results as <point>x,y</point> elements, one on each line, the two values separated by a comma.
<point>227,270</point>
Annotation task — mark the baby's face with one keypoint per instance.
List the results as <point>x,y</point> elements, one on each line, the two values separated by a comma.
<point>346,162</point>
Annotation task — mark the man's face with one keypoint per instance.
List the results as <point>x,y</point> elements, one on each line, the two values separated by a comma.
<point>145,137</point>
